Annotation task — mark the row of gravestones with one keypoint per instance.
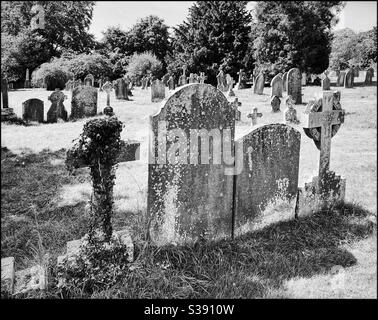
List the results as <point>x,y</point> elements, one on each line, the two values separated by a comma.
<point>243,183</point>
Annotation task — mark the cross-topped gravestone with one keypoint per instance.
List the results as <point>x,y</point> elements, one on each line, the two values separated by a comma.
<point>57,109</point>
<point>254,115</point>
<point>326,119</point>
<point>230,83</point>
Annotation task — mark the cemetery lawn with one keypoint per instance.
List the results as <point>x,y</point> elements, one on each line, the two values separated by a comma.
<point>43,207</point>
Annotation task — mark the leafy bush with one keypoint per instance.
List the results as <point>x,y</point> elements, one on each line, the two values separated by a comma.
<point>54,73</point>
<point>142,64</point>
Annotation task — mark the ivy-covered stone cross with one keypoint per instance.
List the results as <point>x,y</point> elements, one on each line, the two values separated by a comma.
<point>100,148</point>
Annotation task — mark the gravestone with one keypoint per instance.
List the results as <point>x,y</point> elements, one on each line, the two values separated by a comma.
<point>89,80</point>
<point>275,103</point>
<point>266,188</point>
<point>235,105</point>
<point>157,91</point>
<point>32,110</point>
<point>165,79</point>
<point>57,109</point>
<point>107,87</point>
<point>349,79</point>
<point>120,87</point>
<point>230,92</point>
<point>258,86</point>
<point>202,77</point>
<point>369,76</point>
<point>171,83</point>
<point>221,81</point>
<point>290,114</point>
<point>27,79</point>
<point>276,86</point>
<point>326,83</point>
<point>144,83</point>
<point>193,78</point>
<point>100,84</point>
<point>356,72</point>
<point>241,81</point>
<point>340,79</point>
<point>284,82</point>
<point>322,119</point>
<point>304,79</point>
<point>190,198</point>
<point>254,115</point>
<point>294,87</point>
<point>84,102</point>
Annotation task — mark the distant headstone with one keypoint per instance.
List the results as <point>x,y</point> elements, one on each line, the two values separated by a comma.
<point>230,84</point>
<point>275,103</point>
<point>258,86</point>
<point>27,79</point>
<point>84,102</point>
<point>369,76</point>
<point>144,83</point>
<point>241,80</point>
<point>32,110</point>
<point>267,186</point>
<point>171,83</point>
<point>294,87</point>
<point>193,78</point>
<point>276,86</point>
<point>202,77</point>
<point>57,109</point>
<point>100,84</point>
<point>89,80</point>
<point>165,79</point>
<point>221,81</point>
<point>120,87</point>
<point>107,87</point>
<point>190,198</point>
<point>284,82</point>
<point>157,91</point>
<point>304,79</point>
<point>340,79</point>
<point>290,114</point>
<point>235,106</point>
<point>349,79</point>
<point>326,83</point>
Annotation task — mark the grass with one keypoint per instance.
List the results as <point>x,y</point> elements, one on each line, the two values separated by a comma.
<point>40,199</point>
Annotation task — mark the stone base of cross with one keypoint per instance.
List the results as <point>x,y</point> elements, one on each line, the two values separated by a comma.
<point>327,188</point>
<point>254,115</point>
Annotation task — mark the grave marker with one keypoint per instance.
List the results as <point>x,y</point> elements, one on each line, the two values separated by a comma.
<point>284,81</point>
<point>294,87</point>
<point>57,109</point>
<point>258,86</point>
<point>84,102</point>
<point>326,83</point>
<point>340,79</point>
<point>276,86</point>
<point>349,79</point>
<point>157,91</point>
<point>254,115</point>
<point>32,110</point>
<point>120,87</point>
<point>89,80</point>
<point>275,103</point>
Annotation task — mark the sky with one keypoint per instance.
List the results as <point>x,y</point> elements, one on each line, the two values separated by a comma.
<point>357,15</point>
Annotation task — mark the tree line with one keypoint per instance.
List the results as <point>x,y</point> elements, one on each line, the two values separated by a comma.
<point>272,37</point>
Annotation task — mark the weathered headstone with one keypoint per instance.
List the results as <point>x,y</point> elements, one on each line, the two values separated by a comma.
<point>188,197</point>
<point>266,188</point>
<point>276,86</point>
<point>340,79</point>
<point>84,102</point>
<point>221,81</point>
<point>275,103</point>
<point>171,83</point>
<point>304,79</point>
<point>326,83</point>
<point>202,77</point>
<point>290,114</point>
<point>27,79</point>
<point>235,105</point>
<point>144,83</point>
<point>120,87</point>
<point>89,80</point>
<point>258,86</point>
<point>254,115</point>
<point>57,109</point>
<point>294,87</point>
<point>157,91</point>
<point>230,84</point>
<point>165,79</point>
<point>369,76</point>
<point>32,110</point>
<point>241,81</point>
<point>349,79</point>
<point>327,188</point>
<point>284,82</point>
<point>107,87</point>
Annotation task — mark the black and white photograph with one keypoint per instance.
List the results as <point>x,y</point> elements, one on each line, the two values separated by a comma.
<point>190,151</point>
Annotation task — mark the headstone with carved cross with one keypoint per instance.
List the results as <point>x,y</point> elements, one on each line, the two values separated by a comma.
<point>326,189</point>
<point>254,115</point>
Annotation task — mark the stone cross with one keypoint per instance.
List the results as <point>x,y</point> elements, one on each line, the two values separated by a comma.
<point>325,120</point>
<point>254,115</point>
<point>230,92</point>
<point>107,87</point>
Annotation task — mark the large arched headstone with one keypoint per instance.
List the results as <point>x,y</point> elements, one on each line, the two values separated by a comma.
<point>276,86</point>
<point>267,186</point>
<point>294,85</point>
<point>32,110</point>
<point>190,196</point>
<point>84,102</point>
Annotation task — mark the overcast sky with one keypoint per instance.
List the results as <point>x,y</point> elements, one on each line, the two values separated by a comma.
<point>357,15</point>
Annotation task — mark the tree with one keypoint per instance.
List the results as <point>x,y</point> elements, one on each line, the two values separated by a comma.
<point>215,35</point>
<point>143,64</point>
<point>66,28</point>
<point>294,34</point>
<point>353,49</point>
